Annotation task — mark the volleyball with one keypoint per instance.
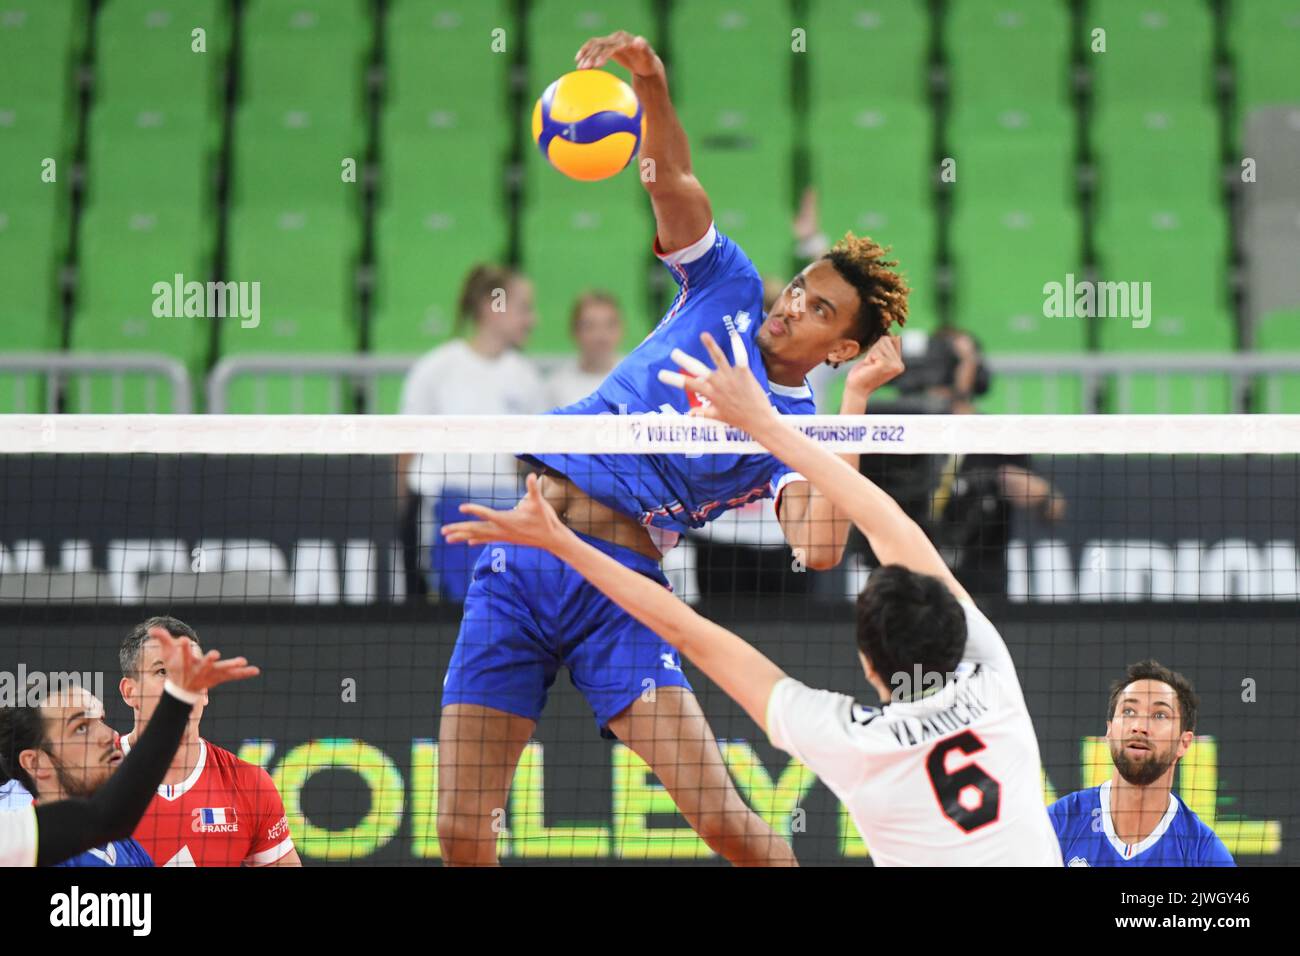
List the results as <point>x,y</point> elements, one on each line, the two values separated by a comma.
<point>588,124</point>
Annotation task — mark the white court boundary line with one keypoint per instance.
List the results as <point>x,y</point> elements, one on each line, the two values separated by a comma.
<point>613,434</point>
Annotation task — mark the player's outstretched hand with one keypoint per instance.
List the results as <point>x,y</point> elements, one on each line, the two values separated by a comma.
<point>533,522</point>
<point>883,363</point>
<point>629,51</point>
<point>189,670</point>
<point>733,394</point>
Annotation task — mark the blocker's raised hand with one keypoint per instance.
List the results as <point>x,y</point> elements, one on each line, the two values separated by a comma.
<point>533,522</point>
<point>733,394</point>
<point>194,672</point>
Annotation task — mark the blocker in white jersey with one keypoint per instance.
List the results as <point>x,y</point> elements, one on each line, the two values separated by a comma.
<point>950,779</point>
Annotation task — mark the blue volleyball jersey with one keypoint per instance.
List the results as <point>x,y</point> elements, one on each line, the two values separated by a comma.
<point>1086,832</point>
<point>719,290</point>
<point>118,853</point>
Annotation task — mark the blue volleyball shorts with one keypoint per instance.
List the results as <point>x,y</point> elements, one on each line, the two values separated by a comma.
<point>527,613</point>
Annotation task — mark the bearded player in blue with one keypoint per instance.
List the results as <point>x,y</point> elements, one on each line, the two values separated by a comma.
<point>58,749</point>
<point>526,613</point>
<point>1135,818</point>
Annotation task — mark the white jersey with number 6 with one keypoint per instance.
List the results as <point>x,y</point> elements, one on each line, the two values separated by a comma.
<point>953,778</point>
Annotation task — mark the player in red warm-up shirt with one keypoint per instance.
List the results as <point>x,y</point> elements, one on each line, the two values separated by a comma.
<point>212,809</point>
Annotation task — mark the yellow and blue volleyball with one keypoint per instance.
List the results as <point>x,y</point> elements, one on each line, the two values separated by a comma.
<point>588,124</point>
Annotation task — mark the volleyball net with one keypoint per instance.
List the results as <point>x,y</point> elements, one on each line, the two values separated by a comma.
<point>311,545</point>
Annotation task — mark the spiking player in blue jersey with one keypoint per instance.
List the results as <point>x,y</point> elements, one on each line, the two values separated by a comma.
<point>1134,819</point>
<point>527,613</point>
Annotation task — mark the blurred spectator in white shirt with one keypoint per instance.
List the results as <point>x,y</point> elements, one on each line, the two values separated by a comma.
<point>597,327</point>
<point>480,374</point>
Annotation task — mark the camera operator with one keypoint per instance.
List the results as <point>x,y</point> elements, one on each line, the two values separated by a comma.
<point>965,502</point>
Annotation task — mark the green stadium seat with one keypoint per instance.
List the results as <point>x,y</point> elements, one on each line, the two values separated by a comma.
<point>1042,394</point>
<point>1171,394</point>
<point>33,237</point>
<point>295,156</point>
<point>121,393</point>
<point>123,255</point>
<point>732,55</point>
<point>32,242</point>
<point>157,156</point>
<point>306,55</point>
<point>1153,152</point>
<point>324,19</point>
<point>309,69</point>
<point>1005,252</point>
<point>144,53</point>
<point>440,56</point>
<point>1020,149</point>
<point>421,258</point>
<point>1181,250</point>
<point>891,35</point>
<point>285,393</point>
<point>1156,50</point>
<point>584,241</point>
<point>876,150</point>
<point>429,163</point>
<point>30,134</point>
<point>1008,49</point>
<point>749,182</point>
<point>305,259</point>
<point>39,43</point>
<point>387,396</point>
<point>557,28</point>
<point>22,393</point>
<point>1265,40</point>
<point>1279,331</point>
<point>437,220</point>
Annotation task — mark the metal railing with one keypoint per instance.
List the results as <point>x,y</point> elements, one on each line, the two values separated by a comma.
<point>1091,373</point>
<point>357,374</point>
<point>76,373</point>
<point>361,375</point>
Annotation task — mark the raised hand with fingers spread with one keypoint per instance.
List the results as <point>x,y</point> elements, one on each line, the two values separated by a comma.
<point>532,522</point>
<point>733,394</point>
<point>194,672</point>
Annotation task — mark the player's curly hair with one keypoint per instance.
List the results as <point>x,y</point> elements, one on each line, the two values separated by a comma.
<point>863,263</point>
